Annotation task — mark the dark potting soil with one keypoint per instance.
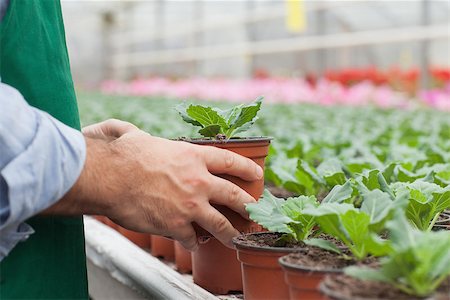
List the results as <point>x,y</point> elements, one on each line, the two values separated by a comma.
<point>268,239</point>
<point>319,259</point>
<point>271,239</point>
<point>347,287</point>
<point>444,218</point>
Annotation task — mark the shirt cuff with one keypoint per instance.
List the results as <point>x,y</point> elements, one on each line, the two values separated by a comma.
<point>40,175</point>
<point>12,235</point>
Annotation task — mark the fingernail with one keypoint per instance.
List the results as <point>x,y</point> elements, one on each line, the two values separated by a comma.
<point>259,172</point>
<point>203,239</point>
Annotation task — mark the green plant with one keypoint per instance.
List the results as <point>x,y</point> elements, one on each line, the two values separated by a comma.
<point>284,216</point>
<point>418,262</point>
<point>215,122</point>
<point>359,227</point>
<point>426,202</point>
<point>302,218</point>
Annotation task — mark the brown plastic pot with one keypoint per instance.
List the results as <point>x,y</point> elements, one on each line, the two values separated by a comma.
<point>163,247</point>
<point>183,259</point>
<point>303,281</point>
<point>261,273</point>
<point>255,148</point>
<point>111,224</point>
<point>214,266</point>
<point>101,219</point>
<point>142,240</point>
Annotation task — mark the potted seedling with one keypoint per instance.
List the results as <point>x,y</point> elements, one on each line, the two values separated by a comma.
<point>215,267</point>
<point>301,218</point>
<point>296,232</point>
<point>416,268</point>
<point>347,224</point>
<point>259,252</point>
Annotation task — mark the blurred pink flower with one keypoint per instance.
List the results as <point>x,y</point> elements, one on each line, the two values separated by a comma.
<point>278,90</point>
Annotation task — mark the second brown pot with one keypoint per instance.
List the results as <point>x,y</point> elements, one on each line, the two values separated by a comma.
<point>304,282</point>
<point>163,247</point>
<point>183,258</point>
<point>142,240</point>
<point>261,273</point>
<point>216,268</point>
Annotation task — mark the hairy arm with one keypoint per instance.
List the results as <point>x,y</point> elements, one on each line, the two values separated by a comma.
<point>154,185</point>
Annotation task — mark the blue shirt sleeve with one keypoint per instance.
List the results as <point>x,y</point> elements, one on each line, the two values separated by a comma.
<point>40,160</point>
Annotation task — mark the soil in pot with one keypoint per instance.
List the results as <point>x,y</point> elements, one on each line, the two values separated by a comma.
<point>216,268</point>
<point>183,260</point>
<point>306,268</point>
<point>343,287</point>
<point>163,248</point>
<point>261,274</point>
<point>142,240</point>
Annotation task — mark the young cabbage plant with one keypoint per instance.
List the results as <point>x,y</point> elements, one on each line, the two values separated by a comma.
<point>418,262</point>
<point>426,202</point>
<point>215,122</point>
<point>284,216</point>
<point>300,177</point>
<point>357,228</point>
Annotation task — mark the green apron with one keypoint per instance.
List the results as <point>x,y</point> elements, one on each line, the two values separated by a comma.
<point>51,264</point>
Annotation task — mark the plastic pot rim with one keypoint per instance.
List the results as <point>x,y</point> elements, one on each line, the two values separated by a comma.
<point>282,261</point>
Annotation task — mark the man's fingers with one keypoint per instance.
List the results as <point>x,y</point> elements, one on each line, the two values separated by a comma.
<point>117,128</point>
<point>187,237</point>
<point>111,128</point>
<point>226,193</point>
<point>221,161</point>
<point>216,224</point>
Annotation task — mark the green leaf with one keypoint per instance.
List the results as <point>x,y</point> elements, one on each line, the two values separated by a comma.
<point>268,213</point>
<point>293,208</point>
<point>377,205</point>
<point>324,244</point>
<point>210,130</point>
<point>327,215</point>
<point>245,118</point>
<point>331,171</point>
<point>181,109</point>
<point>231,114</point>
<point>339,193</point>
<point>206,116</point>
<point>384,185</point>
<point>356,224</point>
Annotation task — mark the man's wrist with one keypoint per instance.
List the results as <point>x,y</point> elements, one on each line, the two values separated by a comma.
<point>95,189</point>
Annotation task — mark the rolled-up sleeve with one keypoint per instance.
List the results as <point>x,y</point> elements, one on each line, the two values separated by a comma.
<point>40,160</point>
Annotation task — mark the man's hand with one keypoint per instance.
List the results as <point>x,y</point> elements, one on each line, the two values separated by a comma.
<point>154,185</point>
